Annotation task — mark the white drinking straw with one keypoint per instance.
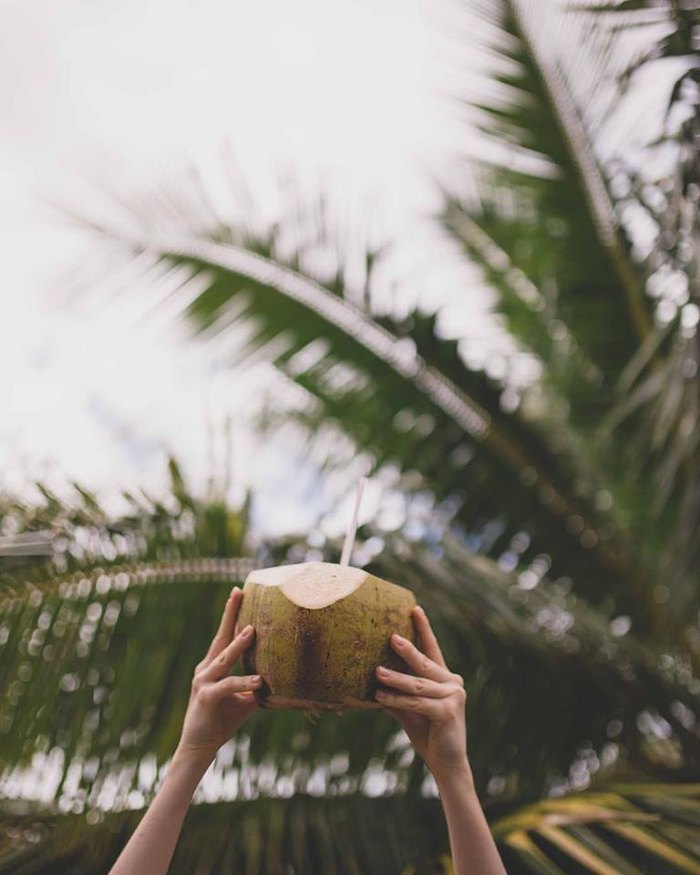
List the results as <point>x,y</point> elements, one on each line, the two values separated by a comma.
<point>350,537</point>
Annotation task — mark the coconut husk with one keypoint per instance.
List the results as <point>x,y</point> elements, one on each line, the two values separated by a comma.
<point>320,632</point>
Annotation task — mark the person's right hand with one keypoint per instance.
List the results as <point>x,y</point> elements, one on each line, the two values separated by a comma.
<point>430,705</point>
<point>219,702</point>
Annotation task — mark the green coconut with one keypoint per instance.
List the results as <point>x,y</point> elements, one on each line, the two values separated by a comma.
<point>320,632</point>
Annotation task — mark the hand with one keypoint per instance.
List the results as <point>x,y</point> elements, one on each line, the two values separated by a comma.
<point>430,706</point>
<point>219,702</point>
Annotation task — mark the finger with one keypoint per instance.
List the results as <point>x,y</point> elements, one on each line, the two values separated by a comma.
<point>222,664</point>
<point>430,708</point>
<point>233,686</point>
<point>224,633</point>
<point>416,686</point>
<point>421,663</point>
<point>429,643</point>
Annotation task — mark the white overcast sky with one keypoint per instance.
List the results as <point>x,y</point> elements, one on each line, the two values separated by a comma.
<point>354,92</point>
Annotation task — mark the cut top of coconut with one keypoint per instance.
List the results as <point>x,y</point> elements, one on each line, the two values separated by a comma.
<point>311,584</point>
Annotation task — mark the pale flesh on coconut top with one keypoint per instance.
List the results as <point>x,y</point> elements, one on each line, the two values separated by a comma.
<point>311,584</point>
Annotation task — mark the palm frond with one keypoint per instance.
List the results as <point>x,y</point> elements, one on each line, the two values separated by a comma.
<point>559,268</point>
<point>559,226</point>
<point>78,735</point>
<point>658,405</point>
<point>350,834</point>
<point>72,646</point>
<point>616,830</point>
<point>487,619</point>
<point>72,530</point>
<point>286,312</point>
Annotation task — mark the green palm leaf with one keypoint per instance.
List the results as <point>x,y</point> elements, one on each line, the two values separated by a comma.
<point>73,645</point>
<point>287,311</point>
<point>550,244</point>
<point>559,226</point>
<point>352,834</point>
<point>618,830</point>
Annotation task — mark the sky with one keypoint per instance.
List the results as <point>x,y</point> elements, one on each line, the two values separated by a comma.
<point>355,97</point>
<point>346,95</point>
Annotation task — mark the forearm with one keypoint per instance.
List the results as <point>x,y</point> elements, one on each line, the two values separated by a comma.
<point>150,849</point>
<point>473,848</point>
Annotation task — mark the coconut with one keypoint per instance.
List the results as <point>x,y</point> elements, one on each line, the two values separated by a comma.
<point>320,632</point>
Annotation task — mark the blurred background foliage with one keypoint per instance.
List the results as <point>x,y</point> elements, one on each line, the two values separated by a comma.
<point>552,524</point>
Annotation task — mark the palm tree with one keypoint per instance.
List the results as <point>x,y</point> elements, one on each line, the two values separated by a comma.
<point>558,553</point>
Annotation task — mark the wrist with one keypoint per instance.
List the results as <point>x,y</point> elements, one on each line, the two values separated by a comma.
<point>457,775</point>
<point>192,760</point>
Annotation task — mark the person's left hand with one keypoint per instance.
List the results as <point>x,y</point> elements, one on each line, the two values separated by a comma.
<point>219,702</point>
<point>430,704</point>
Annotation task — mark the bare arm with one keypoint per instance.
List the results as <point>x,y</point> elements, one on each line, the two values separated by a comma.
<point>471,842</point>
<point>430,707</point>
<point>218,704</point>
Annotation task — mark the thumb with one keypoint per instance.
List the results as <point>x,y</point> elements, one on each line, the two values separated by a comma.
<point>246,702</point>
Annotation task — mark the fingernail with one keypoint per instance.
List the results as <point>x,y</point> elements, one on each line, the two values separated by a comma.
<point>399,640</point>
<point>248,629</point>
<point>382,672</point>
<point>380,694</point>
<point>420,610</point>
<point>234,591</point>
<point>256,679</point>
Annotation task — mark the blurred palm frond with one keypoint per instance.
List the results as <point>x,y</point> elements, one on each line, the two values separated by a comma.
<point>614,830</point>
